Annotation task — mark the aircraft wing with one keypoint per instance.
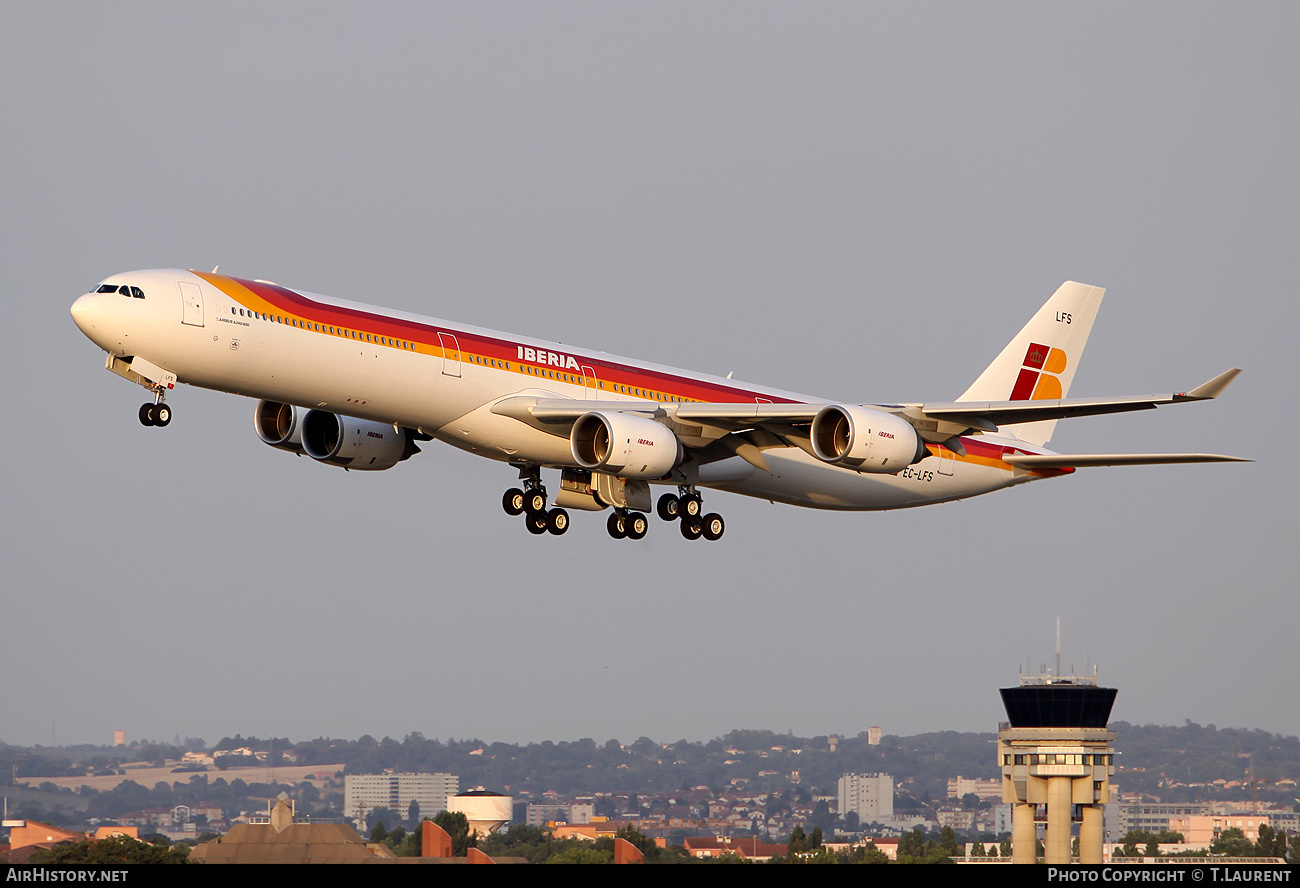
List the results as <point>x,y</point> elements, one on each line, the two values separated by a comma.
<point>985,415</point>
<point>712,431</point>
<point>977,414</point>
<point>1079,461</point>
<point>720,430</point>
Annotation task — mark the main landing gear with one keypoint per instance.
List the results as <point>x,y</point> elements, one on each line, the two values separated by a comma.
<point>157,413</point>
<point>625,523</point>
<point>531,503</point>
<point>686,506</point>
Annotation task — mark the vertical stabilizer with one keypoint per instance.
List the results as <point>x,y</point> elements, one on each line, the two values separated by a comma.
<point>1039,364</point>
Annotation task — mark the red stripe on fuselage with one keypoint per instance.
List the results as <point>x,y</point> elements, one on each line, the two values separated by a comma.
<point>296,304</point>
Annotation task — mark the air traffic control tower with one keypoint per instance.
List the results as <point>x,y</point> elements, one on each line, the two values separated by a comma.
<point>1055,754</point>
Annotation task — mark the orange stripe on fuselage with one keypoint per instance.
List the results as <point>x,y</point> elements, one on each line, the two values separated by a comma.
<point>981,453</point>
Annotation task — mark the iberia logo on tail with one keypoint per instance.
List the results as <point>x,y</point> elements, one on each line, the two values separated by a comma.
<point>1039,378</point>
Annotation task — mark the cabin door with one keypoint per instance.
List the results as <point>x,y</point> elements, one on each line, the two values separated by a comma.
<point>191,303</point>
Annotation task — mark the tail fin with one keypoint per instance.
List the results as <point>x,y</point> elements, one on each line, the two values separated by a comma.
<point>1039,363</point>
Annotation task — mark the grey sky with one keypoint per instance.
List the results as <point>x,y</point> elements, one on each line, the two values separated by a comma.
<point>852,200</point>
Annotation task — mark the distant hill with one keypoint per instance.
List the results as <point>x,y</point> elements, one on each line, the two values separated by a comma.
<point>1174,763</point>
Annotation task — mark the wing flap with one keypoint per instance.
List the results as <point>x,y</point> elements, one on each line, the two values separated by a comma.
<point>561,410</point>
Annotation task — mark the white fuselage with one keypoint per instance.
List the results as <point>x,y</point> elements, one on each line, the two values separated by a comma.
<point>442,379</point>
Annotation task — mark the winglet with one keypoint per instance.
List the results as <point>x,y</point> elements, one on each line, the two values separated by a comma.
<point>1214,387</point>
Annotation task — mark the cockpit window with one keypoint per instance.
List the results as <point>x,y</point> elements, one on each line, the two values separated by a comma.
<point>124,289</point>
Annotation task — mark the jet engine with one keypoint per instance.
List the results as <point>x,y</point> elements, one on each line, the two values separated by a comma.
<point>352,443</point>
<point>865,440</point>
<point>279,425</point>
<point>334,440</point>
<point>624,445</point>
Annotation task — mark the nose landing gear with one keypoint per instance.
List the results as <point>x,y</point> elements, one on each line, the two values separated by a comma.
<point>157,413</point>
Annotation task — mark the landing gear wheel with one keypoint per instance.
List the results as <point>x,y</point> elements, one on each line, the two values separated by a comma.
<point>616,526</point>
<point>692,505</point>
<point>535,502</point>
<point>692,528</point>
<point>162,414</point>
<point>637,525</point>
<point>536,523</point>
<point>513,501</point>
<point>669,507</point>
<point>557,521</point>
<point>714,526</point>
<point>146,414</point>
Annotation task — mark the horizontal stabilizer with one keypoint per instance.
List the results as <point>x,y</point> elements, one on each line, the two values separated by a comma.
<point>1087,460</point>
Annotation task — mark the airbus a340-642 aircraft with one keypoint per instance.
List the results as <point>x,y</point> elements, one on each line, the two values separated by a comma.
<point>356,386</point>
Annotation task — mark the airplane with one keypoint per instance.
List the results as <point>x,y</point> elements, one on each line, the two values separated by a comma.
<point>359,387</point>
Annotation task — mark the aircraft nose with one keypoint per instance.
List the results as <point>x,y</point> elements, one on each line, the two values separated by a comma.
<point>94,317</point>
<point>83,313</point>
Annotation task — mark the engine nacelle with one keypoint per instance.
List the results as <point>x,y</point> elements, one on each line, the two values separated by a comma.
<point>624,445</point>
<point>279,425</point>
<point>865,440</point>
<point>357,444</point>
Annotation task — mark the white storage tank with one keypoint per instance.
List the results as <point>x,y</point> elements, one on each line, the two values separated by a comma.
<point>486,811</point>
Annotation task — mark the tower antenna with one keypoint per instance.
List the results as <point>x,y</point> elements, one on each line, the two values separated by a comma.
<point>1058,647</point>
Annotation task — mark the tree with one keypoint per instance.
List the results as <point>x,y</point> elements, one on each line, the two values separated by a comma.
<point>114,849</point>
<point>816,856</point>
<point>798,841</point>
<point>912,844</point>
<point>1271,843</point>
<point>582,855</point>
<point>518,835</point>
<point>1232,842</point>
<point>396,839</point>
<point>869,853</point>
<point>643,843</point>
<point>411,846</point>
<point>815,839</point>
<point>1151,840</point>
<point>948,842</point>
<point>457,826</point>
<point>822,816</point>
